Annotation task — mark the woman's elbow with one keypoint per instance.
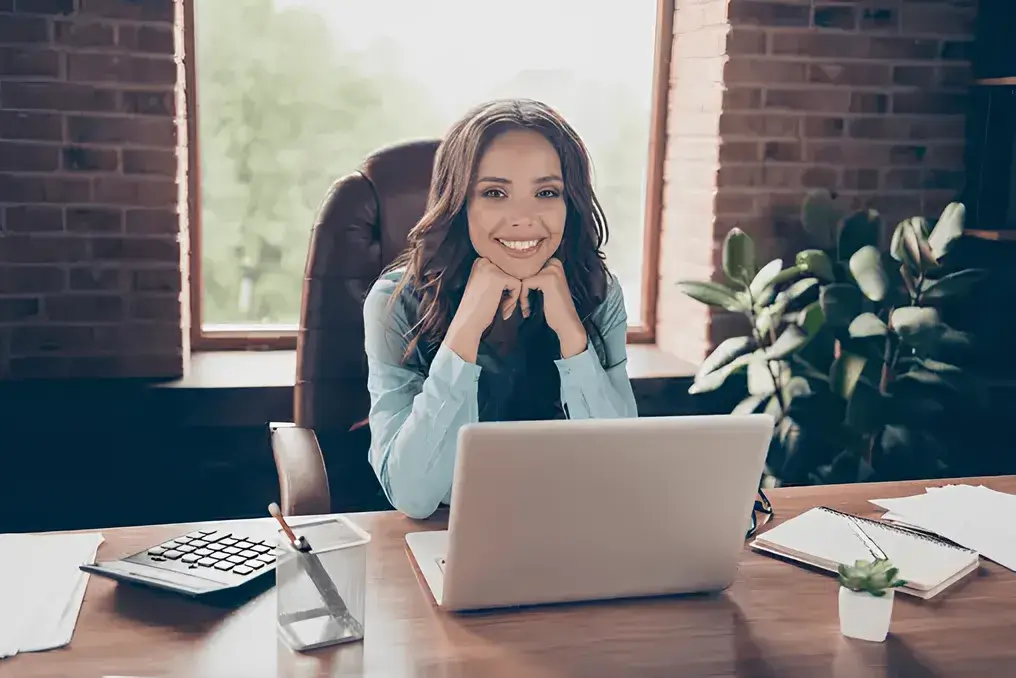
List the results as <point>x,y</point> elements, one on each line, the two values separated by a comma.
<point>410,496</point>
<point>417,508</point>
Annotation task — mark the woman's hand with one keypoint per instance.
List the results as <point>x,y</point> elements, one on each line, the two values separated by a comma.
<point>489,290</point>
<point>558,307</point>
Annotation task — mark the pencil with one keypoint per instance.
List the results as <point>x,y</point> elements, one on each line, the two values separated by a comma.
<point>312,566</point>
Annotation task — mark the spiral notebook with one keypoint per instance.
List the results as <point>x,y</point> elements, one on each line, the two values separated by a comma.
<point>824,538</point>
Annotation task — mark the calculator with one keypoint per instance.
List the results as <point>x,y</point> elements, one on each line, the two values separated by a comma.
<point>198,563</point>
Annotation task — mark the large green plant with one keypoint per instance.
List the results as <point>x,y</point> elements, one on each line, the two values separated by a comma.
<point>783,314</point>
<point>847,348</point>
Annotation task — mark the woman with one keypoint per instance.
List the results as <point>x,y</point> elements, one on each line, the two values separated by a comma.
<point>501,307</point>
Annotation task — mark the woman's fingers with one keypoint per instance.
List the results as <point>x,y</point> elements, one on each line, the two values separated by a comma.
<point>527,286</point>
<point>510,293</point>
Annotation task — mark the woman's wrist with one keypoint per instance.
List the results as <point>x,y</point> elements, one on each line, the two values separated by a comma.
<point>573,341</point>
<point>464,342</point>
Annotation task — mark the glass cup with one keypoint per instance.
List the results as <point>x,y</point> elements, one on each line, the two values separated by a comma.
<point>320,594</point>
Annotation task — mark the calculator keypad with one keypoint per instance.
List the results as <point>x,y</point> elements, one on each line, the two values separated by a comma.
<point>215,550</point>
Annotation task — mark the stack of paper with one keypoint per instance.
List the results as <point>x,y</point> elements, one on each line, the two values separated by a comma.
<point>41,588</point>
<point>976,517</point>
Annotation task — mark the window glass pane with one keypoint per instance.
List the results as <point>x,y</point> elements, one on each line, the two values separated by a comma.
<point>293,94</point>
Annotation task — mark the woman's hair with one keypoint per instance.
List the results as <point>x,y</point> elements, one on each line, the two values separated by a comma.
<point>439,254</point>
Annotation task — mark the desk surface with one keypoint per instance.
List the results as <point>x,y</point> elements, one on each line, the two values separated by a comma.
<point>777,620</point>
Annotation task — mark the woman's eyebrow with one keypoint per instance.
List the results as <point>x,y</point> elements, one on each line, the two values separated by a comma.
<point>538,180</point>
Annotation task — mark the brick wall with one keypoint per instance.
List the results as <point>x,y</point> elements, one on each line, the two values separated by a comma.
<point>770,98</point>
<point>90,274</point>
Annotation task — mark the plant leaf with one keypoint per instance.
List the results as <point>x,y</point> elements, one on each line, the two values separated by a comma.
<point>712,294</point>
<point>811,319</point>
<point>867,325</point>
<point>955,343</point>
<point>809,370</point>
<point>910,245</point>
<point>845,372</point>
<point>724,353</point>
<point>770,317</point>
<point>790,341</point>
<point>817,263</point>
<point>749,405</point>
<point>820,216</point>
<point>914,449</point>
<point>794,387</point>
<point>930,372</point>
<point>860,229</point>
<point>866,410</point>
<point>954,284</point>
<point>764,278</point>
<point>787,275</point>
<point>816,411</point>
<point>841,303</point>
<point>909,282</point>
<point>760,379</point>
<point>918,326</point>
<point>849,467</point>
<point>948,229</point>
<point>800,287</point>
<point>739,257</point>
<point>713,380</point>
<point>866,267</point>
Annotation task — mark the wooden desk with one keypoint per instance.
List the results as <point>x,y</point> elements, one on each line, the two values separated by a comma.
<point>778,620</point>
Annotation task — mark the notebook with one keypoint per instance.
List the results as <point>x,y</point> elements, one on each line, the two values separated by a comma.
<point>824,538</point>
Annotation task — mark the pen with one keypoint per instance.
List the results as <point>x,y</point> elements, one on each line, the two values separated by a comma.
<point>873,548</point>
<point>311,564</point>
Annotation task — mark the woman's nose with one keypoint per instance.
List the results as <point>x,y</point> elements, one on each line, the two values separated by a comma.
<point>522,219</point>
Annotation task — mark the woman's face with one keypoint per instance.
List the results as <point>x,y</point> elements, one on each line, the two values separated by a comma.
<point>516,209</point>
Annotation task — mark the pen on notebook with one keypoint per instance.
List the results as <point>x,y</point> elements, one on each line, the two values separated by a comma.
<point>311,564</point>
<point>876,552</point>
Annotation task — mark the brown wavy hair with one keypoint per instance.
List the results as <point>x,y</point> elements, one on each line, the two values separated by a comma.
<point>440,254</point>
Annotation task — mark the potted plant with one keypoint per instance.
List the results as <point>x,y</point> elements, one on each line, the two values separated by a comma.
<point>846,347</point>
<point>867,590</point>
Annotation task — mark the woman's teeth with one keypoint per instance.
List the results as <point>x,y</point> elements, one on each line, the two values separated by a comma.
<point>520,245</point>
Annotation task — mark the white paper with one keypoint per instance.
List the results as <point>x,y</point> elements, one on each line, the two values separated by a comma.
<point>42,589</point>
<point>976,517</point>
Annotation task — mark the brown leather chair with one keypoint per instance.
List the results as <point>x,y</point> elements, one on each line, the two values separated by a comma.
<point>322,457</point>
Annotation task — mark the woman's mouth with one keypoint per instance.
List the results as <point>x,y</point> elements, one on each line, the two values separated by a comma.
<point>521,248</point>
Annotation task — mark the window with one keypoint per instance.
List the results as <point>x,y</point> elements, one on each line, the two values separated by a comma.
<point>292,94</point>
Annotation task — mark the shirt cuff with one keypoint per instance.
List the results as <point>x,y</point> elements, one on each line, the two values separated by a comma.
<point>585,364</point>
<point>450,369</point>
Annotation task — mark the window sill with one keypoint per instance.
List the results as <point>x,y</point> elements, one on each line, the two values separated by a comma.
<point>277,369</point>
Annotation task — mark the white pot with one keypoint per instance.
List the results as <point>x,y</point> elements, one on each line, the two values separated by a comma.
<point>865,616</point>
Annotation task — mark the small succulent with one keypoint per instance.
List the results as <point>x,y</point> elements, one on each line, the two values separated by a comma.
<point>870,576</point>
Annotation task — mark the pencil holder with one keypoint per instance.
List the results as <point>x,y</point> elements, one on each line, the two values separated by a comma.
<point>321,594</point>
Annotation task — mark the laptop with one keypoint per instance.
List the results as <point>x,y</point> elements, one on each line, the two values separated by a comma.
<point>582,510</point>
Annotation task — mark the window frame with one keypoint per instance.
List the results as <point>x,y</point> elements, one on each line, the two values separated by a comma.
<point>277,339</point>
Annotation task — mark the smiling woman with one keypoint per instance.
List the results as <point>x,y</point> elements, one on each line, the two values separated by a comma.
<point>517,211</point>
<point>501,307</point>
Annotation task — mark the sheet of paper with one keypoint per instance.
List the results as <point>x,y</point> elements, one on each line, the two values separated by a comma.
<point>973,516</point>
<point>42,589</point>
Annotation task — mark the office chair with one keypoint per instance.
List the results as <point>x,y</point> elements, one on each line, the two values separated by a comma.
<point>362,225</point>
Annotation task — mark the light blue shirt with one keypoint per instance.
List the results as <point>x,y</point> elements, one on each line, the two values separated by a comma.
<point>417,409</point>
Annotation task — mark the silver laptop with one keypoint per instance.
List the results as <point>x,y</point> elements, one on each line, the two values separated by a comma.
<point>579,510</point>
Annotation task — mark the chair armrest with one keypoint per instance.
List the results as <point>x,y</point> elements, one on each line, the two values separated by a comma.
<point>303,478</point>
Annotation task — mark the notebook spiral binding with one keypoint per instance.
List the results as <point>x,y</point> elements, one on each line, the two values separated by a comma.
<point>902,529</point>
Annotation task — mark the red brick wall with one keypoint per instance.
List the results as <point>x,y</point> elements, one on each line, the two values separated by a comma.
<point>772,98</point>
<point>768,98</point>
<point>90,253</point>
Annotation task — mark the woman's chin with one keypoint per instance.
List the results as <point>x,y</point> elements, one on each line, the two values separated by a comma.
<point>522,268</point>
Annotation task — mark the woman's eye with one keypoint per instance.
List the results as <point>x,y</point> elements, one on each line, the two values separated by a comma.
<point>493,193</point>
<point>548,193</point>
